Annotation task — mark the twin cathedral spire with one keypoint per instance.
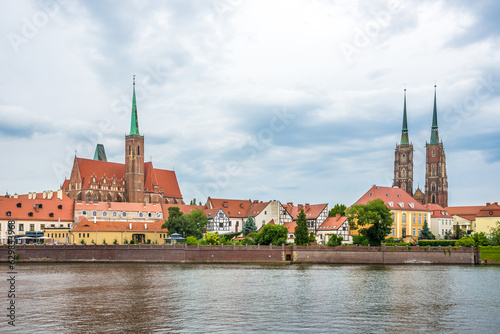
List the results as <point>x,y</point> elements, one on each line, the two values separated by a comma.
<point>436,181</point>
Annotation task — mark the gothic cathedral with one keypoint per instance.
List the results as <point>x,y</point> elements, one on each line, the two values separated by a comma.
<point>436,181</point>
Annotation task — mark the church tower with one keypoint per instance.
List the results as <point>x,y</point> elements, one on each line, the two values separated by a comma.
<point>134,159</point>
<point>403,160</point>
<point>436,181</point>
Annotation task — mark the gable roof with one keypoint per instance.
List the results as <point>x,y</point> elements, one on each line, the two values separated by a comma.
<point>438,211</point>
<point>234,208</point>
<point>291,226</point>
<point>492,208</point>
<point>40,208</point>
<point>113,226</point>
<point>256,208</point>
<point>166,180</point>
<point>312,211</point>
<point>467,212</point>
<point>332,223</point>
<point>400,199</point>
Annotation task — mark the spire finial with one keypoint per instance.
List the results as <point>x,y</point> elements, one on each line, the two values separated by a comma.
<point>134,79</point>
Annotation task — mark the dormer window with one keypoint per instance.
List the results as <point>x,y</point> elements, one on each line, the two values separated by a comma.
<point>388,194</point>
<point>8,213</point>
<point>18,205</point>
<point>401,204</point>
<point>59,207</point>
<point>412,205</point>
<point>391,204</point>
<point>51,215</point>
<point>40,206</point>
<point>30,214</point>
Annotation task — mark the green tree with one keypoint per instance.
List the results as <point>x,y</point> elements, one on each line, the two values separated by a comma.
<point>249,226</point>
<point>476,240</point>
<point>495,234</point>
<point>186,225</point>
<point>192,240</point>
<point>335,240</point>
<point>272,235</point>
<point>458,233</point>
<point>301,231</point>
<point>337,209</point>
<point>372,220</point>
<point>212,238</point>
<point>426,232</point>
<point>193,201</point>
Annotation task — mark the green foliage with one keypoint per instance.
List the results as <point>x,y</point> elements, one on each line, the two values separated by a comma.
<point>132,242</point>
<point>495,234</point>
<point>301,232</point>
<point>490,253</point>
<point>337,209</point>
<point>193,202</point>
<point>426,232</point>
<point>82,242</point>
<point>186,225</point>
<point>103,241</point>
<point>442,243</point>
<point>458,233</point>
<point>92,242</point>
<point>249,226</point>
<point>373,220</point>
<point>476,240</point>
<point>335,240</point>
<point>191,240</point>
<point>229,236</point>
<point>148,242</point>
<point>211,238</point>
<point>272,235</point>
<point>125,241</point>
<point>448,235</point>
<point>16,256</point>
<point>115,241</point>
<point>360,240</point>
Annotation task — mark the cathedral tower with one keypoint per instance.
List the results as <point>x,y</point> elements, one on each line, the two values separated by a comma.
<point>134,159</point>
<point>403,160</point>
<point>436,181</point>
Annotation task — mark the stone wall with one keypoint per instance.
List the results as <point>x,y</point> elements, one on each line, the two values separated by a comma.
<point>245,254</point>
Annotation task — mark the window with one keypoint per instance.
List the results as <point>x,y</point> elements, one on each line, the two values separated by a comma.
<point>114,214</point>
<point>433,186</point>
<point>59,207</point>
<point>138,186</point>
<point>229,224</point>
<point>104,213</point>
<point>94,213</point>
<point>124,214</point>
<point>221,225</point>
<point>84,212</point>
<point>433,153</point>
<point>88,235</point>
<point>32,227</point>
<point>30,214</point>
<point>9,213</point>
<point>158,215</point>
<point>265,212</point>
<point>393,217</point>
<point>21,227</point>
<point>150,214</point>
<point>51,215</point>
<point>403,173</point>
<point>404,218</point>
<point>18,205</point>
<point>79,235</point>
<point>140,214</point>
<point>420,219</point>
<point>393,231</point>
<point>404,158</point>
<point>414,232</point>
<point>138,150</point>
<point>425,218</point>
<point>42,227</point>
<point>414,218</point>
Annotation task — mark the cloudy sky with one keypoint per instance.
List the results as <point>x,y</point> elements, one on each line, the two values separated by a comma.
<point>290,100</point>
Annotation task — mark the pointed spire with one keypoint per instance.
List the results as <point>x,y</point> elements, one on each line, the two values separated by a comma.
<point>434,130</point>
<point>134,124</point>
<point>404,134</point>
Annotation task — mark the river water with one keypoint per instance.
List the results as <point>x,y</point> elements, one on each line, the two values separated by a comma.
<point>210,298</point>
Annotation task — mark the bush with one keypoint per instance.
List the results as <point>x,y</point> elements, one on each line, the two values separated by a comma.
<point>191,240</point>
<point>132,241</point>
<point>115,241</point>
<point>335,240</point>
<point>82,242</point>
<point>148,242</point>
<point>359,240</point>
<point>125,241</point>
<point>103,241</point>
<point>465,242</point>
<point>442,243</point>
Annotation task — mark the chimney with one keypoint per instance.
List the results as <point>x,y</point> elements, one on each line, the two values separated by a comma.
<point>145,226</point>
<point>299,206</point>
<point>488,204</point>
<point>35,206</point>
<point>290,204</point>
<point>130,226</point>
<point>95,220</point>
<point>44,194</point>
<point>255,201</point>
<point>307,206</point>
<point>34,195</point>
<point>241,205</point>
<point>15,195</point>
<point>50,194</point>
<point>224,204</point>
<point>59,194</point>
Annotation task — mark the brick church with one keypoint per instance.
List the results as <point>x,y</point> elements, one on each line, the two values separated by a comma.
<point>436,181</point>
<point>135,181</point>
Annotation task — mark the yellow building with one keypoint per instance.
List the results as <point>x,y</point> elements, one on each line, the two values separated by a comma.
<point>58,235</point>
<point>408,215</point>
<point>487,217</point>
<point>110,232</point>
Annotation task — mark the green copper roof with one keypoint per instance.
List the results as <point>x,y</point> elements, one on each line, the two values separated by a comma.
<point>100,154</point>
<point>404,134</point>
<point>434,130</point>
<point>134,124</point>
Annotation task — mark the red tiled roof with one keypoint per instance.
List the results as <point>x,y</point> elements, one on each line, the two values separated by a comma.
<point>166,180</point>
<point>33,206</point>
<point>184,208</point>
<point>492,208</point>
<point>113,226</point>
<point>438,211</point>
<point>256,208</point>
<point>312,211</point>
<point>332,223</point>
<point>394,195</point>
<point>291,226</point>
<point>211,212</point>
<point>467,212</point>
<point>234,208</point>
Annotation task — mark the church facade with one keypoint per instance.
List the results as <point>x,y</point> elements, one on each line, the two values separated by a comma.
<point>436,180</point>
<point>134,181</point>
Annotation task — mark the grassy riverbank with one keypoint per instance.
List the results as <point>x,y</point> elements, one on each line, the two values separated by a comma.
<point>490,254</point>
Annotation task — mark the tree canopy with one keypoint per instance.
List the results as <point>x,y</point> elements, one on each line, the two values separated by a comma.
<point>249,226</point>
<point>335,240</point>
<point>301,232</point>
<point>372,220</point>
<point>495,234</point>
<point>186,225</point>
<point>337,209</point>
<point>426,232</point>
<point>272,235</point>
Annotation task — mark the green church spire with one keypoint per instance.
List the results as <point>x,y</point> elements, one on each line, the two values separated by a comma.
<point>134,124</point>
<point>434,131</point>
<point>404,134</point>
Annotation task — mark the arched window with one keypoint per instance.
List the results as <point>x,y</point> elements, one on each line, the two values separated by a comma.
<point>129,150</point>
<point>404,158</point>
<point>404,218</point>
<point>138,150</point>
<point>403,186</point>
<point>433,198</point>
<point>433,186</point>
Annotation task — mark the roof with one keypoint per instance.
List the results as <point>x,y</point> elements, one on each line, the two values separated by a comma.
<point>332,223</point>
<point>399,198</point>
<point>52,209</point>
<point>256,208</point>
<point>467,212</point>
<point>438,211</point>
<point>312,211</point>
<point>291,226</point>
<point>184,208</point>
<point>271,222</point>
<point>418,195</point>
<point>490,210</point>
<point>166,180</point>
<point>211,212</point>
<point>113,226</point>
<point>118,206</point>
<point>234,208</point>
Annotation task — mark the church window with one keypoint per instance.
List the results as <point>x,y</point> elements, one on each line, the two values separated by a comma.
<point>404,218</point>
<point>95,197</point>
<point>433,153</point>
<point>129,150</point>
<point>404,187</point>
<point>404,158</point>
<point>433,186</point>
<point>105,198</point>
<point>138,186</point>
<point>403,173</point>
<point>138,150</point>
<point>433,200</point>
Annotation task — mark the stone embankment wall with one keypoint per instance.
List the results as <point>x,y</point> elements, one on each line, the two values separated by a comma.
<point>244,254</point>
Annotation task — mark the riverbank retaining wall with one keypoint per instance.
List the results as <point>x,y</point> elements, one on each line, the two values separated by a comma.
<point>245,254</point>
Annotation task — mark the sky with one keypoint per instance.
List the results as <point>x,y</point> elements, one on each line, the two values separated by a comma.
<point>290,100</point>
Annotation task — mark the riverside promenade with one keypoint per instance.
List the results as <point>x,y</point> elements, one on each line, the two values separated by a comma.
<point>316,254</point>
